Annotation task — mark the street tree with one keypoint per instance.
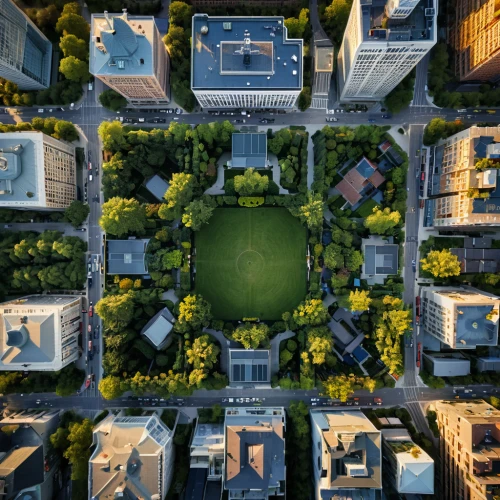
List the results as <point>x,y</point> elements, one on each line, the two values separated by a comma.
<point>76,213</point>
<point>73,46</point>
<point>194,313</point>
<point>250,183</point>
<point>359,300</point>
<point>121,216</point>
<point>116,311</point>
<point>381,221</point>
<point>180,14</point>
<point>78,451</point>
<point>74,69</point>
<point>73,24</point>
<point>110,387</point>
<point>441,264</point>
<point>196,214</point>
<point>65,130</point>
<point>342,386</point>
<point>203,352</point>
<point>251,335</point>
<point>112,100</point>
<point>311,312</point>
<point>112,135</point>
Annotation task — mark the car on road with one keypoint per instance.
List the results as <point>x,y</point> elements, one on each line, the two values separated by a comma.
<point>91,310</point>
<point>377,401</point>
<point>88,380</point>
<point>414,265</point>
<point>90,281</point>
<point>178,111</point>
<point>386,116</point>
<point>89,328</point>
<point>96,333</point>
<point>90,165</point>
<point>141,120</point>
<point>89,267</point>
<point>267,120</point>
<point>332,119</point>
<point>7,226</point>
<point>371,120</point>
<point>81,229</point>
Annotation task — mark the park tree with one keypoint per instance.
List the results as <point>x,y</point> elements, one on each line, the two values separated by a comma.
<point>65,130</point>
<point>381,221</point>
<point>251,335</point>
<point>76,213</point>
<point>178,196</point>
<point>359,300</point>
<point>441,264</point>
<point>112,100</point>
<point>296,27</point>
<point>110,387</point>
<point>196,214</point>
<point>311,212</point>
<point>319,344</point>
<point>121,216</point>
<point>250,183</point>
<point>304,100</point>
<point>194,313</point>
<point>203,352</point>
<point>73,46</point>
<point>112,135</point>
<point>78,451</point>
<point>74,69</point>
<point>311,312</point>
<point>116,311</point>
<point>342,386</point>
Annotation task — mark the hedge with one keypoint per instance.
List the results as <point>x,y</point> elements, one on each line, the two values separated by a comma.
<point>251,201</point>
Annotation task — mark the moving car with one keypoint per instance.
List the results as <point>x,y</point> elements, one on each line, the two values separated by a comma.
<point>377,401</point>
<point>91,310</point>
<point>87,382</point>
<point>414,265</point>
<point>89,328</point>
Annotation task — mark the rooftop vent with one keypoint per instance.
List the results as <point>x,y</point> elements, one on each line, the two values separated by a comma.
<point>227,26</point>
<point>294,72</point>
<point>248,83</point>
<point>204,30</point>
<point>121,64</point>
<point>430,12</point>
<point>294,58</point>
<point>141,60</point>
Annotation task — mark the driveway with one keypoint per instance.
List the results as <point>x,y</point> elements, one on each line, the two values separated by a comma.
<point>225,344</point>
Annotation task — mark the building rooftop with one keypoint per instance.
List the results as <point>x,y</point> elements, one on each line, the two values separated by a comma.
<point>381,259</point>
<point>249,150</point>
<point>127,256</point>
<point>478,260</point>
<point>157,186</point>
<point>447,364</point>
<point>249,365</point>
<point>159,327</point>
<point>244,53</point>
<point>122,45</point>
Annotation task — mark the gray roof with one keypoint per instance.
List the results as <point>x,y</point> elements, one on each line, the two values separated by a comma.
<point>157,186</point>
<point>448,366</point>
<point>249,150</point>
<point>477,260</point>
<point>488,364</point>
<point>244,53</point>
<point>127,257</point>
<point>472,326</point>
<point>381,259</point>
<point>248,365</point>
<point>158,327</point>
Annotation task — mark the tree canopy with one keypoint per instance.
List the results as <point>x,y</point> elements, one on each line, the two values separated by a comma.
<point>311,212</point>
<point>196,214</point>
<point>112,135</point>
<point>194,313</point>
<point>203,352</point>
<point>319,344</point>
<point>178,196</point>
<point>359,300</point>
<point>110,387</point>
<point>311,312</point>
<point>112,100</point>
<point>76,213</point>
<point>73,46</point>
<point>381,221</point>
<point>441,264</point>
<point>342,386</point>
<point>250,183</point>
<point>251,335</point>
<point>121,216</point>
<point>74,69</point>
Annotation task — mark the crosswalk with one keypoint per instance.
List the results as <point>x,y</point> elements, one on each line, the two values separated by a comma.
<point>319,102</point>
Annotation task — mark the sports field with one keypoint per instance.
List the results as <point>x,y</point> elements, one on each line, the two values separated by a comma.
<point>251,263</point>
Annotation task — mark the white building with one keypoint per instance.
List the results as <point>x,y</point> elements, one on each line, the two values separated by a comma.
<point>39,332</point>
<point>133,458</point>
<point>378,51</point>
<point>244,62</point>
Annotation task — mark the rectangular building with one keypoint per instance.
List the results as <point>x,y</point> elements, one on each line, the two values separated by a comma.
<point>39,332</point>
<point>129,56</point>
<point>244,62</point>
<point>25,52</point>
<point>36,171</point>
<point>383,41</point>
<point>446,364</point>
<point>469,449</point>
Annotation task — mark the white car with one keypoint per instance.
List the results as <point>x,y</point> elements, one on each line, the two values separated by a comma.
<point>141,120</point>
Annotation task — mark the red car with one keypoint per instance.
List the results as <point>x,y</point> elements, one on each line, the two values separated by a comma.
<point>91,311</point>
<point>422,177</point>
<point>87,382</point>
<point>377,401</point>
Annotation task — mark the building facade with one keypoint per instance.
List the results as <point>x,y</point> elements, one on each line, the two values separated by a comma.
<point>474,34</point>
<point>469,449</point>
<point>244,63</point>
<point>36,171</point>
<point>25,52</point>
<point>39,332</point>
<point>129,56</point>
<point>378,50</point>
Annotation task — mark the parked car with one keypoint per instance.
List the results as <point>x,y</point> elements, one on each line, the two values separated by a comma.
<point>91,310</point>
<point>414,265</point>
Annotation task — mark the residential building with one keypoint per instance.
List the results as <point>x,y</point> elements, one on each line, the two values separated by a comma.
<point>129,56</point>
<point>254,455</point>
<point>157,186</point>
<point>249,150</point>
<point>380,259</point>
<point>158,329</point>
<point>461,195</point>
<point>477,256</point>
<point>469,449</point>
<point>446,364</point>
<point>133,458</point>
<point>461,318</point>
<point>39,332</point>
<point>488,364</point>
<point>27,461</point>
<point>410,469</point>
<point>25,52</point>
<point>249,366</point>
<point>36,171</point>
<point>474,34</point>
<point>383,41</point>
<point>244,62</point>
<point>127,257</point>
<point>347,456</point>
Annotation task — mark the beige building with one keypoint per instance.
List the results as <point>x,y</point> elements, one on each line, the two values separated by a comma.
<point>128,55</point>
<point>462,195</point>
<point>474,34</point>
<point>39,332</point>
<point>36,171</point>
<point>469,450</point>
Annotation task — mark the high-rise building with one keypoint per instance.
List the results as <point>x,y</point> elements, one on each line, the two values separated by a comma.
<point>244,62</point>
<point>383,42</point>
<point>469,450</point>
<point>25,52</point>
<point>347,456</point>
<point>39,332</point>
<point>128,55</point>
<point>133,458</point>
<point>36,171</point>
<point>475,38</point>
<point>461,318</point>
<point>461,195</point>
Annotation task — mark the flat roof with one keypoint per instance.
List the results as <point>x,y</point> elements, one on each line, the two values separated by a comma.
<point>244,53</point>
<point>381,259</point>
<point>157,186</point>
<point>249,365</point>
<point>249,150</point>
<point>127,256</point>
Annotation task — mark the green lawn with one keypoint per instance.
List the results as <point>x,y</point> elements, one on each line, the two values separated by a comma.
<point>365,209</point>
<point>251,263</point>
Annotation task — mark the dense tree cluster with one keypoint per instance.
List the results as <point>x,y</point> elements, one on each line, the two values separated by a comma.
<point>121,216</point>
<point>342,386</point>
<point>59,129</point>
<point>441,264</point>
<point>401,97</point>
<point>311,312</point>
<point>112,100</point>
<point>382,221</point>
<point>438,128</point>
<point>252,335</point>
<point>76,213</point>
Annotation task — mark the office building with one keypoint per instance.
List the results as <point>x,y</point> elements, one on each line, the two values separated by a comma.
<point>408,467</point>
<point>133,458</point>
<point>461,318</point>
<point>36,171</point>
<point>469,449</point>
<point>25,52</point>
<point>383,42</point>
<point>129,56</point>
<point>347,456</point>
<point>245,63</point>
<point>255,453</point>
<point>39,332</point>
<point>475,37</point>
<point>461,195</point>
<point>446,364</point>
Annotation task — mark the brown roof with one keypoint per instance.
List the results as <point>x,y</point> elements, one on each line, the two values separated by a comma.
<point>377,178</point>
<point>348,192</point>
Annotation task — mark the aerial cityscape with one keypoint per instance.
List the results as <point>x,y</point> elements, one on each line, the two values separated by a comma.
<point>250,249</point>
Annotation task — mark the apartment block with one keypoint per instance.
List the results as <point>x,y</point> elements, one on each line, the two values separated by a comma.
<point>254,458</point>
<point>461,318</point>
<point>462,196</point>
<point>474,34</point>
<point>129,56</point>
<point>25,52</point>
<point>469,450</point>
<point>383,41</point>
<point>36,171</point>
<point>244,62</point>
<point>347,456</point>
<point>39,332</point>
<point>133,458</point>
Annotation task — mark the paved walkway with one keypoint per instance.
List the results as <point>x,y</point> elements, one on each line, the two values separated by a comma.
<point>275,349</point>
<point>310,160</point>
<point>273,159</point>
<point>218,187</point>
<point>225,344</point>
<point>329,300</point>
<point>170,295</point>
